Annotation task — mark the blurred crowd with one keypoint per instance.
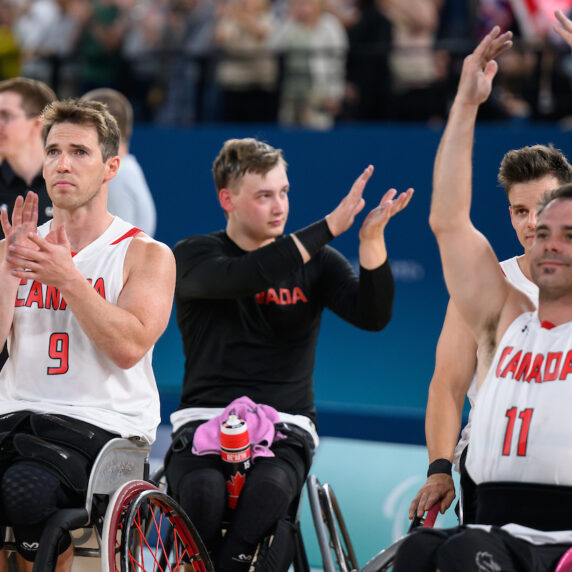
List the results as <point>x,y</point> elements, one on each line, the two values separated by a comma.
<point>308,63</point>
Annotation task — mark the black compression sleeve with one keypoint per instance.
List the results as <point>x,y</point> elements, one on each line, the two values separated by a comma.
<point>315,236</point>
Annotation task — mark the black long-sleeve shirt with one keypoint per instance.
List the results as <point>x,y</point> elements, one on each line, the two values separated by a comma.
<point>250,320</point>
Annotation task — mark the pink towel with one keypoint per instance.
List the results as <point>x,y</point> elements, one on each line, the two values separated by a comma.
<point>260,420</point>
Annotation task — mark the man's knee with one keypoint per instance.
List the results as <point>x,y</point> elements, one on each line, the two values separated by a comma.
<point>29,495</point>
<point>473,550</point>
<point>418,550</point>
<point>265,499</point>
<point>202,487</point>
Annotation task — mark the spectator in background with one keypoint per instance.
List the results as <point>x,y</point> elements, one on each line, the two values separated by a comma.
<point>187,39</point>
<point>48,31</point>
<point>22,101</point>
<point>129,196</point>
<point>141,51</point>
<point>314,45</point>
<point>9,49</point>
<point>418,71</point>
<point>32,24</point>
<point>368,89</point>
<point>246,72</point>
<point>99,46</point>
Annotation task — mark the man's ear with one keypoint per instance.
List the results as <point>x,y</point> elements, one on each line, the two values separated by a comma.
<point>225,197</point>
<point>111,167</point>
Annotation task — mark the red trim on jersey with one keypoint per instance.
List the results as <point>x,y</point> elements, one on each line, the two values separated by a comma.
<point>128,234</point>
<point>547,325</point>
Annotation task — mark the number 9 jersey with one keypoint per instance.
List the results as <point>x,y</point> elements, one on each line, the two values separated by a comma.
<point>53,365</point>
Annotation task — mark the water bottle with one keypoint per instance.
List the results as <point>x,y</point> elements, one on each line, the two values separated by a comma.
<point>235,452</point>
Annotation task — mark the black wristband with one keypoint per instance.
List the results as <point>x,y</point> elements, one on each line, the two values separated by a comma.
<point>440,466</point>
<point>315,236</point>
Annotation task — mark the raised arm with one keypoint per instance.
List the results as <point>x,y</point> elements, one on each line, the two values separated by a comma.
<point>24,221</point>
<point>471,269</point>
<point>455,363</point>
<point>205,271</point>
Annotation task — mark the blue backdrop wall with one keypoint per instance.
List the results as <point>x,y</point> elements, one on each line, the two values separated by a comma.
<point>367,385</point>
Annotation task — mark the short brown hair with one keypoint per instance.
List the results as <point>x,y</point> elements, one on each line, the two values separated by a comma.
<point>563,192</point>
<point>35,94</point>
<point>240,156</point>
<point>82,112</point>
<point>531,163</point>
<point>118,105</point>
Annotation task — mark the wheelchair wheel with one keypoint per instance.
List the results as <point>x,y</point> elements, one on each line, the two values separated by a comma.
<point>158,536</point>
<point>333,536</point>
<point>114,523</point>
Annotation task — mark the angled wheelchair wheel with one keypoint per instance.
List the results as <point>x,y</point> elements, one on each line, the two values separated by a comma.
<point>333,537</point>
<point>158,536</point>
<point>384,560</point>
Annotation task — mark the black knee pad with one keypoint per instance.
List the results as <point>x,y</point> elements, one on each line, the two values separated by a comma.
<point>29,496</point>
<point>28,541</point>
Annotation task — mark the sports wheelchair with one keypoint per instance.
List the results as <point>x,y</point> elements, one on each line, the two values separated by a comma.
<point>334,540</point>
<point>284,545</point>
<point>127,524</point>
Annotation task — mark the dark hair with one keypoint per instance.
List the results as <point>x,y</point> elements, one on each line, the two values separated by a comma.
<point>531,163</point>
<point>82,112</point>
<point>240,156</point>
<point>563,193</point>
<point>35,94</point>
<point>118,105</point>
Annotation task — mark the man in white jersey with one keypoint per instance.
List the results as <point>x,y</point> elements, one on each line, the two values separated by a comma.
<point>92,295</point>
<point>526,174</point>
<point>519,452</point>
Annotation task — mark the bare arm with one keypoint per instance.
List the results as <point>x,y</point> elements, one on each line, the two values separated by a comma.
<point>123,332</point>
<point>480,295</point>
<point>455,364</point>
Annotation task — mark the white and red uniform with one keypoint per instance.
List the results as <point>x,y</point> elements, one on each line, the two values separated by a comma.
<point>522,424</point>
<point>55,368</point>
<point>514,274</point>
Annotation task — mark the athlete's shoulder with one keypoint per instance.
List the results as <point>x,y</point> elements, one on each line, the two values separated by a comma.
<point>147,249</point>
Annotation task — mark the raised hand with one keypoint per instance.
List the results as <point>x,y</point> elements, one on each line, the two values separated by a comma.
<point>565,29</point>
<point>480,67</point>
<point>342,217</point>
<point>375,222</point>
<point>24,221</point>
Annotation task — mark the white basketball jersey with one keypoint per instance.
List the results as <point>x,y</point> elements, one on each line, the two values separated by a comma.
<point>522,425</point>
<point>55,368</point>
<point>514,274</point>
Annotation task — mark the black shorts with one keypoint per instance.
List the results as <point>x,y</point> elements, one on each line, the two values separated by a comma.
<point>465,549</point>
<point>294,454</point>
<point>63,445</point>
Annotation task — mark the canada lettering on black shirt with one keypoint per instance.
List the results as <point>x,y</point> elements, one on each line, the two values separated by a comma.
<point>250,319</point>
